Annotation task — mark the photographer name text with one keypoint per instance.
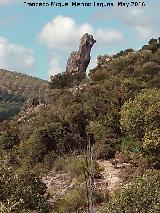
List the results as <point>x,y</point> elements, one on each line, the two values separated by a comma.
<point>86,4</point>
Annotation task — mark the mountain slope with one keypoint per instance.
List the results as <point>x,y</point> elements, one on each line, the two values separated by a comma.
<point>21,84</point>
<point>15,89</point>
<point>116,112</point>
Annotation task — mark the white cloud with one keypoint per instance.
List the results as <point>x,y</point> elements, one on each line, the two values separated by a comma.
<point>108,36</point>
<point>144,31</point>
<point>54,66</point>
<point>15,57</point>
<point>142,23</point>
<point>62,34</point>
<point>136,12</point>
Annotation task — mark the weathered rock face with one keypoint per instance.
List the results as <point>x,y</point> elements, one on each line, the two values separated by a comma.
<point>79,60</point>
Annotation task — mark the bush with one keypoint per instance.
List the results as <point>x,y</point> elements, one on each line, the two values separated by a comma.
<point>131,145</point>
<point>22,191</point>
<point>98,130</point>
<point>58,81</point>
<point>105,149</point>
<point>63,81</point>
<point>76,200</point>
<point>149,70</point>
<point>9,138</point>
<point>141,196</point>
<point>151,141</point>
<point>140,119</point>
<point>105,133</point>
<point>141,113</point>
<point>151,145</point>
<point>75,166</point>
<point>73,201</point>
<point>53,138</point>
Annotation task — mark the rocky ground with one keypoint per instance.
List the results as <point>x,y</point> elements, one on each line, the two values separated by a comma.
<point>109,179</point>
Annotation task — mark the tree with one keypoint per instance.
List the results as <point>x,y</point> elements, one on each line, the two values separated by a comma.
<point>140,119</point>
<point>22,191</point>
<point>139,114</point>
<point>58,81</point>
<point>9,138</point>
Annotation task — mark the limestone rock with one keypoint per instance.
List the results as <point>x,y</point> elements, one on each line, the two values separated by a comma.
<point>79,60</point>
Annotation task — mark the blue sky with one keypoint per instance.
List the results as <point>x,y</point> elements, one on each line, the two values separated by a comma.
<point>38,40</point>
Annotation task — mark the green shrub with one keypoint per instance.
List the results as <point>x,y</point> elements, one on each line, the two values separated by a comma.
<point>98,130</point>
<point>131,145</point>
<point>141,113</point>
<point>151,145</point>
<point>75,166</point>
<point>54,138</point>
<point>22,191</point>
<point>105,133</point>
<point>75,201</point>
<point>141,196</point>
<point>58,81</point>
<point>151,141</point>
<point>105,149</point>
<point>63,81</point>
<point>9,138</point>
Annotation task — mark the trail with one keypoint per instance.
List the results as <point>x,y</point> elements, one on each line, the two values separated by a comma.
<point>109,177</point>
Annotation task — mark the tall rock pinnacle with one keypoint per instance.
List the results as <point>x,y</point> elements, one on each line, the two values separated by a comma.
<point>79,60</point>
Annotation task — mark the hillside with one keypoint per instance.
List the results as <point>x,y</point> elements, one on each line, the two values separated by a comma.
<point>21,84</point>
<point>15,89</point>
<point>98,133</point>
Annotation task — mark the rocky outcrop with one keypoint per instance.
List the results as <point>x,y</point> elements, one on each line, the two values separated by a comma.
<point>31,106</point>
<point>79,60</point>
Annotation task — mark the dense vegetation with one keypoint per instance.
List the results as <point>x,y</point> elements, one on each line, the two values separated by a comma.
<point>15,89</point>
<point>118,107</point>
<point>141,196</point>
<point>21,84</point>
<point>10,105</point>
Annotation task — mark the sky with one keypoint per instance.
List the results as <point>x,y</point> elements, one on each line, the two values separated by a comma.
<point>38,40</point>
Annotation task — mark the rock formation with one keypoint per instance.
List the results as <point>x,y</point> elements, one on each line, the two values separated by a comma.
<point>79,60</point>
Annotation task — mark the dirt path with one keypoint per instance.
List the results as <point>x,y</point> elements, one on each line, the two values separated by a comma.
<point>110,176</point>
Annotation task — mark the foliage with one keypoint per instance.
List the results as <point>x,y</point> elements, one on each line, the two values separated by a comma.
<point>142,113</point>
<point>131,145</point>
<point>141,196</point>
<point>141,118</point>
<point>58,81</point>
<point>22,191</point>
<point>118,106</point>
<point>9,138</point>
<point>62,80</point>
<point>76,200</point>
<point>152,140</point>
<point>153,45</point>
<point>15,89</point>
<point>73,201</point>
<point>21,84</point>
<point>151,145</point>
<point>52,138</point>
<point>74,166</point>
<point>10,105</point>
